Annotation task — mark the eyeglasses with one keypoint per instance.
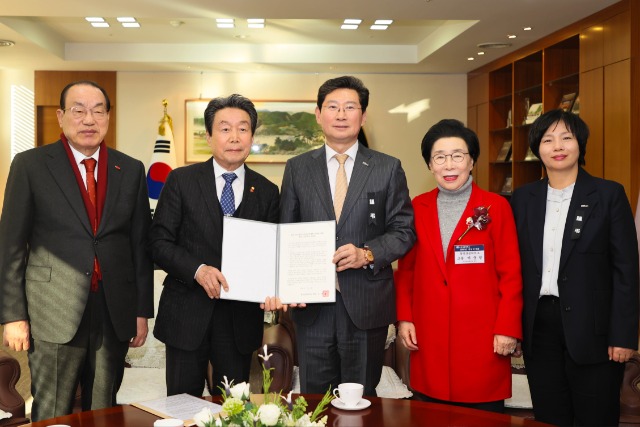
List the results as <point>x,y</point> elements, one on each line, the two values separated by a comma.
<point>335,109</point>
<point>457,157</point>
<point>77,112</point>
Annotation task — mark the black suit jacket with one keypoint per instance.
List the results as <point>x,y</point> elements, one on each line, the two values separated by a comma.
<point>47,245</point>
<point>187,232</point>
<point>377,212</point>
<point>598,274</point>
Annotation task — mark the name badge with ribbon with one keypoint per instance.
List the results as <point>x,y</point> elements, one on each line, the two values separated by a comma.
<point>578,222</point>
<point>371,202</point>
<point>469,254</point>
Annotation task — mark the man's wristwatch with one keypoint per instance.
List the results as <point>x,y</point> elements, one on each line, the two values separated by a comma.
<point>368,256</point>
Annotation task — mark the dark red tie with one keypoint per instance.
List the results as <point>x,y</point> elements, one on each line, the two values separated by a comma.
<point>90,166</point>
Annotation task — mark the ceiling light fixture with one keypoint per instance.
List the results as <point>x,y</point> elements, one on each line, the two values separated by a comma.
<point>378,27</point>
<point>94,19</point>
<point>255,23</point>
<point>383,22</point>
<point>481,53</point>
<point>511,36</point>
<point>493,45</point>
<point>471,58</point>
<point>527,28</point>
<point>131,24</point>
<point>126,19</point>
<point>225,23</point>
<point>100,24</point>
<point>353,21</point>
<point>6,43</point>
<point>348,27</point>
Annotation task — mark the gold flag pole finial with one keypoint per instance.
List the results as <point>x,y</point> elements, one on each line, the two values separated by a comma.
<point>166,118</point>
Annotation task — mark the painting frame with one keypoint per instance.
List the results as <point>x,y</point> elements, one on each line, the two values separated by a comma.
<point>286,128</point>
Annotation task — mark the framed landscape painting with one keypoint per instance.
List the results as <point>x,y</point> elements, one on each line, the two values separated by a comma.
<point>285,129</point>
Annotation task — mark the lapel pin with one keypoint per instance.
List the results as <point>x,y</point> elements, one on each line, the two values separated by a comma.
<point>365,163</point>
<point>584,206</point>
<point>252,189</point>
<point>117,167</point>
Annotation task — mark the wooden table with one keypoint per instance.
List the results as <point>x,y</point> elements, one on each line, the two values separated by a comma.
<point>382,412</point>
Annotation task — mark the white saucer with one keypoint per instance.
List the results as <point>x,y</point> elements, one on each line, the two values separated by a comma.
<point>363,404</point>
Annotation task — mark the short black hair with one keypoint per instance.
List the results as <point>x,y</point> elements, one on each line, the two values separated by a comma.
<point>232,101</point>
<point>448,128</point>
<point>574,124</point>
<point>344,82</point>
<point>63,94</point>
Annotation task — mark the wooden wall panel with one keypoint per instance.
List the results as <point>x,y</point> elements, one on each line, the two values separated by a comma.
<point>591,111</point>
<point>591,48</point>
<point>49,84</point>
<point>477,89</point>
<point>617,124</point>
<point>617,38</point>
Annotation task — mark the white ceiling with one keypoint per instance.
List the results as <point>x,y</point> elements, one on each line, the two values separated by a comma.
<point>427,36</point>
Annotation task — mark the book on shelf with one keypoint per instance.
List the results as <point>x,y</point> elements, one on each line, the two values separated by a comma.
<point>575,109</point>
<point>509,121</point>
<point>566,103</point>
<point>535,111</point>
<point>530,157</point>
<point>508,185</point>
<point>504,155</point>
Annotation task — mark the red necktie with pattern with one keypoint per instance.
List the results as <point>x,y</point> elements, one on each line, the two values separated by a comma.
<point>90,166</point>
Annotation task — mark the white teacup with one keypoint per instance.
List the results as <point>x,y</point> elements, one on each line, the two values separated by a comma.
<point>349,394</point>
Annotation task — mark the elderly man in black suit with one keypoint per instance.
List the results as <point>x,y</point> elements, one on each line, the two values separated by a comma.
<point>366,193</point>
<point>186,240</point>
<point>76,281</point>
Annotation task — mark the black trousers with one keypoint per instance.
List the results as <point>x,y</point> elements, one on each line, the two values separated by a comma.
<point>187,370</point>
<point>333,351</point>
<point>94,358</point>
<point>564,392</point>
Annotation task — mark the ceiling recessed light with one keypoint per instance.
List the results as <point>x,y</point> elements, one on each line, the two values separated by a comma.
<point>481,53</point>
<point>527,28</point>
<point>131,24</point>
<point>94,19</point>
<point>383,22</point>
<point>126,19</point>
<point>348,27</point>
<point>379,27</point>
<point>471,58</point>
<point>6,43</point>
<point>353,21</point>
<point>100,24</point>
<point>511,36</point>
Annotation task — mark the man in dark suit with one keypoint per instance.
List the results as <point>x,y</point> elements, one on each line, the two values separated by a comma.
<point>186,240</point>
<point>344,341</point>
<point>76,281</point>
<point>579,257</point>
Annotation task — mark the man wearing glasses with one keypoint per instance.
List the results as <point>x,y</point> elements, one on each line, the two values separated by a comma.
<point>76,281</point>
<point>366,193</point>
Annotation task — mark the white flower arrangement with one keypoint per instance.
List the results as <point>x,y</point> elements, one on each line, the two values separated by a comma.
<point>276,411</point>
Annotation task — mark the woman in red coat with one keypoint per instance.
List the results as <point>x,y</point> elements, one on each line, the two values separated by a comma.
<point>459,290</point>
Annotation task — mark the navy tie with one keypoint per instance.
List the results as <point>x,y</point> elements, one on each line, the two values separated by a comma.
<point>227,199</point>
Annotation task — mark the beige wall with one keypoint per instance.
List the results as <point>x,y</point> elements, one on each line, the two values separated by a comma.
<point>140,108</point>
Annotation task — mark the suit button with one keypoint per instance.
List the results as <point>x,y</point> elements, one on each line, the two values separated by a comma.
<point>337,238</point>
<point>95,242</point>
